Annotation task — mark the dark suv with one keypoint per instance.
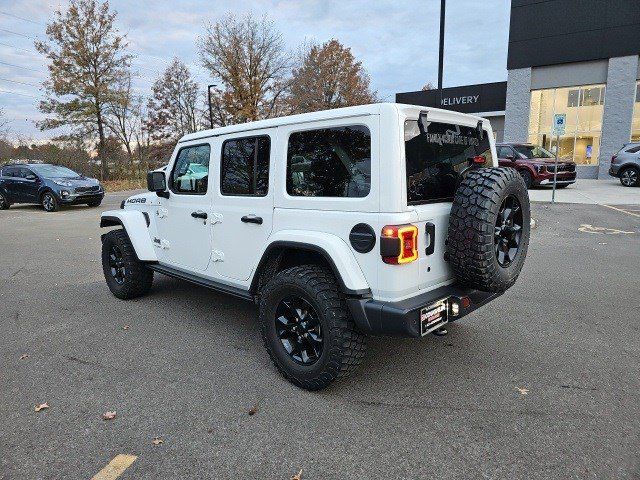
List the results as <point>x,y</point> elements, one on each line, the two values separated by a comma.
<point>535,164</point>
<point>47,185</point>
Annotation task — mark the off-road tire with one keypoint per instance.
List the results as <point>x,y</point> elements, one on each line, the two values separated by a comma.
<point>343,345</point>
<point>4,203</point>
<point>49,202</point>
<point>94,204</point>
<point>474,215</point>
<point>137,278</point>
<point>527,178</point>
<point>627,175</point>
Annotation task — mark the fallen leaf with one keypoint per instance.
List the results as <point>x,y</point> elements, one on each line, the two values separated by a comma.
<point>109,415</point>
<point>157,441</point>
<point>23,356</point>
<point>298,476</point>
<point>523,391</point>
<point>42,406</point>
<point>253,410</point>
<point>125,327</point>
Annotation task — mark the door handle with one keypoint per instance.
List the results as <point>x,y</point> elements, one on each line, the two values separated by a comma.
<point>431,236</point>
<point>199,214</point>
<point>252,219</point>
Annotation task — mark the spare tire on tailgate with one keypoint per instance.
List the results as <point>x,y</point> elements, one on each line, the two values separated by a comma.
<point>489,229</point>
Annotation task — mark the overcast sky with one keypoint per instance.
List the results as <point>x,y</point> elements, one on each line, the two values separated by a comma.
<point>397,41</point>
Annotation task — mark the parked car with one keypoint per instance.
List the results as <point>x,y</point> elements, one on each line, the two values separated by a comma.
<point>625,165</point>
<point>535,164</point>
<point>48,185</point>
<point>367,220</point>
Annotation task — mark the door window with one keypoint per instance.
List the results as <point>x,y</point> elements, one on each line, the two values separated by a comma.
<point>245,166</point>
<point>504,152</point>
<point>24,173</point>
<point>330,162</point>
<point>10,172</point>
<point>190,173</point>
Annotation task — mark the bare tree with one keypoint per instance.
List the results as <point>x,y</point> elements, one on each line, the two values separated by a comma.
<point>427,86</point>
<point>87,58</point>
<point>173,108</point>
<point>328,76</point>
<point>247,58</point>
<point>124,118</point>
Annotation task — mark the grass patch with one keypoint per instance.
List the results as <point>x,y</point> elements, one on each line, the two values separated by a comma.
<point>120,185</point>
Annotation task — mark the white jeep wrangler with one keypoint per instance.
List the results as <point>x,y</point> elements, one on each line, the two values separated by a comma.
<point>382,219</point>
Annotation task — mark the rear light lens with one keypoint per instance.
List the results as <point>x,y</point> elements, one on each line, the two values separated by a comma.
<point>399,244</point>
<point>479,159</point>
<point>614,158</point>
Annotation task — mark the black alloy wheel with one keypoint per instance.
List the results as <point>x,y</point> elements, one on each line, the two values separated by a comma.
<point>629,177</point>
<point>116,265</point>
<point>508,230</point>
<point>298,329</point>
<point>49,203</point>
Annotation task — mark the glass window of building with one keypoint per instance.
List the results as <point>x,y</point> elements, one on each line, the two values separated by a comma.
<point>583,107</point>
<point>635,124</point>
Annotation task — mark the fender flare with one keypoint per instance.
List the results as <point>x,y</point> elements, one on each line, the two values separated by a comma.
<point>136,225</point>
<point>332,248</point>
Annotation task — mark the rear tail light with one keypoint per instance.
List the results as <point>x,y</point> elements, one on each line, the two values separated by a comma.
<point>614,158</point>
<point>399,244</point>
<point>478,159</point>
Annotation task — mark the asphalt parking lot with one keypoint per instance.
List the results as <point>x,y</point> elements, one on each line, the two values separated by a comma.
<point>542,383</point>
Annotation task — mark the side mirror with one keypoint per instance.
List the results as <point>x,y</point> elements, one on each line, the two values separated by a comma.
<point>157,182</point>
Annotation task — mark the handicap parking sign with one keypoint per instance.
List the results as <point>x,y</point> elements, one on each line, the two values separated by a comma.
<point>559,123</point>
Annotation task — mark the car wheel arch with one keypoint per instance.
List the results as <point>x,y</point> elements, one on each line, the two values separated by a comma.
<point>280,255</point>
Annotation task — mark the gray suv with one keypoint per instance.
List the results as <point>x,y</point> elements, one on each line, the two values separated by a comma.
<point>626,165</point>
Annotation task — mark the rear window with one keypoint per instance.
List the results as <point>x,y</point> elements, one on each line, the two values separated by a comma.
<point>437,158</point>
<point>330,162</point>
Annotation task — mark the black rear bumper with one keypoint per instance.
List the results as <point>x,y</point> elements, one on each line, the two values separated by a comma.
<point>403,318</point>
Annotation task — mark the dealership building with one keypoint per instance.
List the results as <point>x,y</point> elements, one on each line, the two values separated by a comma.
<point>574,57</point>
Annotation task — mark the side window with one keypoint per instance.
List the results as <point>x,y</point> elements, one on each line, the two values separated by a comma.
<point>330,162</point>
<point>503,152</point>
<point>190,173</point>
<point>10,172</point>
<point>24,172</point>
<point>245,166</point>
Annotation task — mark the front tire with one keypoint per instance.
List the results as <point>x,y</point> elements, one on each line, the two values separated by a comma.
<point>126,276</point>
<point>307,329</point>
<point>49,202</point>
<point>630,177</point>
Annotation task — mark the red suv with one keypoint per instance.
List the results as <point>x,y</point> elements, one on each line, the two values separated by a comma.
<point>535,164</point>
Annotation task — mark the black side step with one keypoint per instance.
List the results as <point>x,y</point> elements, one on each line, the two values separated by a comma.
<point>203,282</point>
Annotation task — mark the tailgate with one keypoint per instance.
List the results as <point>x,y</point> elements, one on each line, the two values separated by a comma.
<point>434,218</point>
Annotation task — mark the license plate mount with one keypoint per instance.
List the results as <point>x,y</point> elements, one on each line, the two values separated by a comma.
<point>434,316</point>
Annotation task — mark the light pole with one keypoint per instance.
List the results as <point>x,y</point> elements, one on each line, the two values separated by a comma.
<point>441,49</point>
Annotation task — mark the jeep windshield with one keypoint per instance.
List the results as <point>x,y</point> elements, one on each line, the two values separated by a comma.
<point>437,157</point>
<point>532,151</point>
